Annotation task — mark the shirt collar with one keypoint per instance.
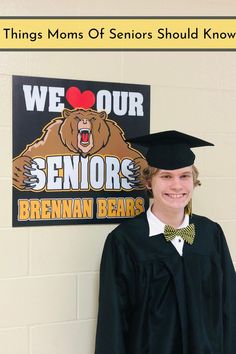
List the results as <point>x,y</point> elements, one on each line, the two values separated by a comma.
<point>156,226</point>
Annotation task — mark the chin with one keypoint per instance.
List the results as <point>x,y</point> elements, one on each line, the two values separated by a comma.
<point>176,206</point>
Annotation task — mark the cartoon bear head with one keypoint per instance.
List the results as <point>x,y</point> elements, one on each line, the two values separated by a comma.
<point>84,131</point>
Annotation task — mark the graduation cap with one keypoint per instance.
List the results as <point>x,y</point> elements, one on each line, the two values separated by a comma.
<point>169,150</point>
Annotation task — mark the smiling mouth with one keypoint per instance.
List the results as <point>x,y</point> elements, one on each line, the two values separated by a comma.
<point>84,136</point>
<point>175,196</point>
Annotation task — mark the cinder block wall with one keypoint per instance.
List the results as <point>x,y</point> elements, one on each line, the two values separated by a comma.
<point>49,275</point>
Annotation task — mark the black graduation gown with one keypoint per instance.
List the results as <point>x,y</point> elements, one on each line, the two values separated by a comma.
<point>153,301</point>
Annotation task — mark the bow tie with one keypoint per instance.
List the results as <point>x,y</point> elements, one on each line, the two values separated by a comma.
<point>187,233</point>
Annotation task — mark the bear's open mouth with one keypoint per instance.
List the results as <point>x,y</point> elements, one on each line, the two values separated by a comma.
<point>84,135</point>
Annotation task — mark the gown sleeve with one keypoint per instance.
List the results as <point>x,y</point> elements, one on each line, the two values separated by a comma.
<point>115,298</point>
<point>229,297</point>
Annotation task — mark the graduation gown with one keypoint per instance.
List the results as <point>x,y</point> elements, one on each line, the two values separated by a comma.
<point>153,301</point>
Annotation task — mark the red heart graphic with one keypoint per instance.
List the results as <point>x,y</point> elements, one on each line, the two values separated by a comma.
<point>78,99</point>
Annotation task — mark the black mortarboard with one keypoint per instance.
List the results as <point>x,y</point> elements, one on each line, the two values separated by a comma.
<point>169,150</point>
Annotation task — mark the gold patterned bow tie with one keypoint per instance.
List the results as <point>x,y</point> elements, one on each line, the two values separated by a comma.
<point>187,233</point>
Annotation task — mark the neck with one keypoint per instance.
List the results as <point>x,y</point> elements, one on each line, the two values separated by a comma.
<point>170,217</point>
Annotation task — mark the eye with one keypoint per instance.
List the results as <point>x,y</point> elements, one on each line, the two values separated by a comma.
<point>165,176</point>
<point>185,176</point>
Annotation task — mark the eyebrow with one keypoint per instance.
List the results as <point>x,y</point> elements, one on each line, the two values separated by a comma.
<point>165,173</point>
<point>170,173</point>
<point>187,173</point>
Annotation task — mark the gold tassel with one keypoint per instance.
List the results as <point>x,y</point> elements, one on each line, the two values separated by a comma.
<point>188,208</point>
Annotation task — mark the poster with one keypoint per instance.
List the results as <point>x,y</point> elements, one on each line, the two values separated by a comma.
<point>71,161</point>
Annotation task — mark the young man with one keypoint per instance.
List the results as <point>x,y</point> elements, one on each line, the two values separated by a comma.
<point>167,281</point>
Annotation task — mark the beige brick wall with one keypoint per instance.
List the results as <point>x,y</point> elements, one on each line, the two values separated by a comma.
<point>49,275</point>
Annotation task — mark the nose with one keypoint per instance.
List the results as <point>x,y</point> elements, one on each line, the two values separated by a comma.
<point>176,184</point>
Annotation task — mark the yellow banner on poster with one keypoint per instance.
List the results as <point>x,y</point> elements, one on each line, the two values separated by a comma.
<point>117,33</point>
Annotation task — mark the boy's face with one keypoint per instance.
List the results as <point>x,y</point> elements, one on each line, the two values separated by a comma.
<point>172,189</point>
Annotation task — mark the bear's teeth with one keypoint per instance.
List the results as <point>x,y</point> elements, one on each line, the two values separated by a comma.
<point>84,135</point>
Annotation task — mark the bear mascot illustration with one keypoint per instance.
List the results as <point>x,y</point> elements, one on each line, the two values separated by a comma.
<point>83,132</point>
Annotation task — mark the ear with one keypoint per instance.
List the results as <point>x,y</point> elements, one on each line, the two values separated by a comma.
<point>66,112</point>
<point>103,115</point>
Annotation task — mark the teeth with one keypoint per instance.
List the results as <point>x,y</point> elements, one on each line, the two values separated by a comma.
<point>175,196</point>
<point>84,134</point>
<point>84,131</point>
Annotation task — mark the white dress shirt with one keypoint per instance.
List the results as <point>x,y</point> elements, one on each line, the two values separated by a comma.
<point>157,227</point>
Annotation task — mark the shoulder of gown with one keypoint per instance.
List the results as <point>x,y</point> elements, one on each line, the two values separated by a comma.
<point>132,228</point>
